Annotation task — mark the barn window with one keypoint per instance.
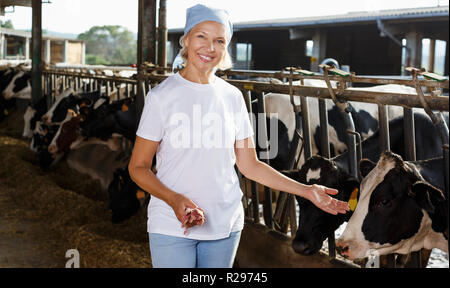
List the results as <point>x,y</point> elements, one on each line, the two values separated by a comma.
<point>425,53</point>
<point>439,57</point>
<point>309,48</point>
<point>243,55</point>
<point>433,55</point>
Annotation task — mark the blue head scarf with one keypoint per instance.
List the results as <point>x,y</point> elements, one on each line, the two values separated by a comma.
<point>200,13</point>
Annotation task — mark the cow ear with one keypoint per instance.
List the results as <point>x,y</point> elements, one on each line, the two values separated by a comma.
<point>365,166</point>
<point>423,192</point>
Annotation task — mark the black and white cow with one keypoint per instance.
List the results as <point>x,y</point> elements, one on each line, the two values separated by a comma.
<point>365,117</point>
<point>399,211</point>
<point>19,86</point>
<point>32,115</point>
<point>125,196</point>
<point>6,75</point>
<point>314,224</point>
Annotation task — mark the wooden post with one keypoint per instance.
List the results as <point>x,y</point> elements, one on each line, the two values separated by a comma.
<point>36,68</point>
<point>162,34</point>
<point>414,42</point>
<point>145,47</point>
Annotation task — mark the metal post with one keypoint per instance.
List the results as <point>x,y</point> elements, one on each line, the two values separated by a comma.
<point>409,134</point>
<point>385,146</point>
<point>410,154</point>
<point>324,141</point>
<point>262,129</point>
<point>325,150</point>
<point>36,68</point>
<point>305,127</point>
<point>384,128</point>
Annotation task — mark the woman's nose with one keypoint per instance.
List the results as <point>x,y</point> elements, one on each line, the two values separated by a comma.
<point>211,46</point>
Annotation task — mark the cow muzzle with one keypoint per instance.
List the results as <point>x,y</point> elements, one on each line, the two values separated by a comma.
<point>343,249</point>
<point>52,149</point>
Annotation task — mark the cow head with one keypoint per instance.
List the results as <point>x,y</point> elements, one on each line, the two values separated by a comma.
<point>123,196</point>
<point>398,212</point>
<point>19,84</point>
<point>316,225</point>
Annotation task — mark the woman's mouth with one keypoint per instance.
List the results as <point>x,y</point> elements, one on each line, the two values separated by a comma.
<point>205,58</point>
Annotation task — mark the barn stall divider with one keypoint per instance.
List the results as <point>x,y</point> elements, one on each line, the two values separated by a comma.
<point>272,237</point>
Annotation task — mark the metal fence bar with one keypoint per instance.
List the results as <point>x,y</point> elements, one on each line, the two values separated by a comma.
<point>263,140</point>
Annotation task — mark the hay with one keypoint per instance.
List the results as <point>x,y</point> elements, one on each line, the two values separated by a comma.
<point>65,210</point>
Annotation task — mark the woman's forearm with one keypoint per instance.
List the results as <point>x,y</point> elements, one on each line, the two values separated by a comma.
<point>267,176</point>
<point>148,181</point>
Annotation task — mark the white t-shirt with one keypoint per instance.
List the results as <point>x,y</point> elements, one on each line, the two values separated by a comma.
<point>197,125</point>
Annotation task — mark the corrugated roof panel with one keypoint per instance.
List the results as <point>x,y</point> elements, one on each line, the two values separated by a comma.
<point>409,13</point>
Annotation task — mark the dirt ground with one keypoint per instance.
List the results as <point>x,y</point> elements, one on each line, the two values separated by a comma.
<point>44,213</point>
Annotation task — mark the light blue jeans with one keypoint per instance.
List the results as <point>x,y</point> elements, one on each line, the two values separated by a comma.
<point>177,252</point>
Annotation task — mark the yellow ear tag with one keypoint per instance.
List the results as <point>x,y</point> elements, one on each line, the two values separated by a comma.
<point>5,112</point>
<point>353,199</point>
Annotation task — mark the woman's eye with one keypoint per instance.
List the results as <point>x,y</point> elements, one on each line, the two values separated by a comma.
<point>221,41</point>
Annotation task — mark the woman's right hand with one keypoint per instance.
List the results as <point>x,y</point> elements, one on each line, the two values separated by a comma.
<point>179,203</point>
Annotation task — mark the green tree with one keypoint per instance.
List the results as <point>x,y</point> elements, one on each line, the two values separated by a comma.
<point>8,24</point>
<point>110,44</point>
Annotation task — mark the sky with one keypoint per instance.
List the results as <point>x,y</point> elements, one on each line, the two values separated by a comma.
<point>77,16</point>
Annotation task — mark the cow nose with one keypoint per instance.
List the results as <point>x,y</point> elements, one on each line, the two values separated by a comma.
<point>45,119</point>
<point>342,249</point>
<point>306,247</point>
<point>301,247</point>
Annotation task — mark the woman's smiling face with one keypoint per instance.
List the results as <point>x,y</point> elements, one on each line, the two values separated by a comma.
<point>207,44</point>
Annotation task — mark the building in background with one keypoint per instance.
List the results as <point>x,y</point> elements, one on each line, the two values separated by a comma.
<point>371,43</point>
<point>16,45</point>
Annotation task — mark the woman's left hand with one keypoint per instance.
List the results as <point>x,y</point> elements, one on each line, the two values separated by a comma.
<point>320,196</point>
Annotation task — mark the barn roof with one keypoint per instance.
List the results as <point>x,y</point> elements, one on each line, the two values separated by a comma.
<point>409,14</point>
<point>27,34</point>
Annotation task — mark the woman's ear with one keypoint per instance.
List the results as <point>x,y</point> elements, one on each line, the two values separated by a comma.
<point>185,40</point>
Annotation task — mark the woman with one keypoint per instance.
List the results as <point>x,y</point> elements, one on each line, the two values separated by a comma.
<point>198,126</point>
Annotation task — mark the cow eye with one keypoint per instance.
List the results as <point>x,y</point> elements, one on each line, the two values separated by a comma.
<point>383,203</point>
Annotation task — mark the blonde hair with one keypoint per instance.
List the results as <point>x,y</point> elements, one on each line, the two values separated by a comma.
<point>225,64</point>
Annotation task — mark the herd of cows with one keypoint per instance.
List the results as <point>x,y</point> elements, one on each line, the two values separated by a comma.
<point>401,205</point>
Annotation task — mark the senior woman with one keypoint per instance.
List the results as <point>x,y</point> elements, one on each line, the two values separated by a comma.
<point>199,128</point>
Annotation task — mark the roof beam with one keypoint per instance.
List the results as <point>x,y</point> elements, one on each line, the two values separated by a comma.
<point>5,3</point>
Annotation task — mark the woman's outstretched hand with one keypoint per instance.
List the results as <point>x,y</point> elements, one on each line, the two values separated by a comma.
<point>320,196</point>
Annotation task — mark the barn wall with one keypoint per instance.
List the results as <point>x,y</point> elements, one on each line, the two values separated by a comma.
<point>273,50</point>
<point>360,45</point>
<point>56,52</point>
<point>364,50</point>
<point>74,52</point>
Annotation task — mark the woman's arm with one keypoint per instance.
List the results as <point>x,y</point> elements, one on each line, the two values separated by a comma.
<point>252,168</point>
<point>140,173</point>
